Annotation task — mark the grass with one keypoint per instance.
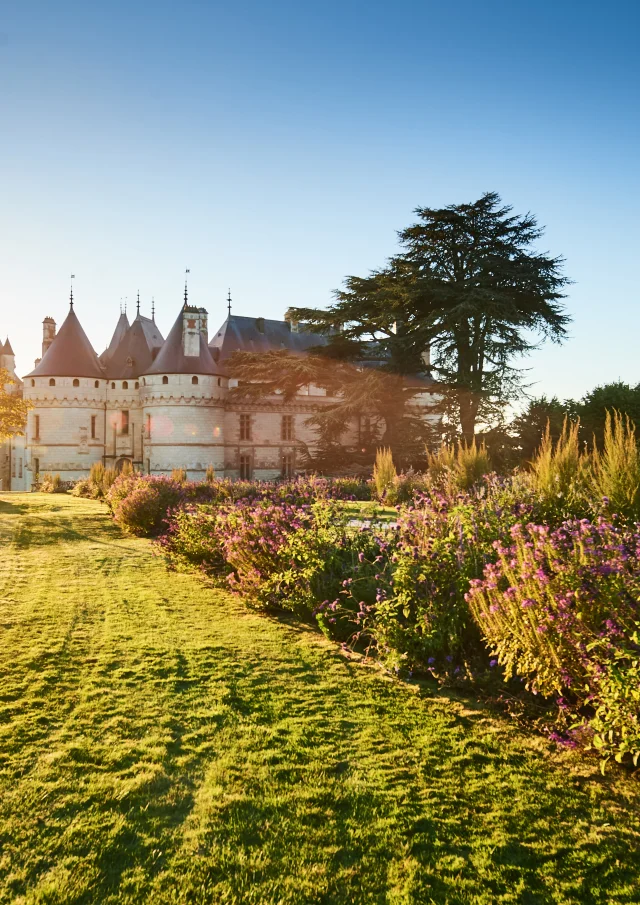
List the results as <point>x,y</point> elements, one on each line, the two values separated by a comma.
<point>159,743</point>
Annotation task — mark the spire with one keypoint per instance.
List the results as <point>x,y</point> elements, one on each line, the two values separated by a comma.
<point>153,309</point>
<point>186,302</point>
<point>138,304</point>
<point>229,302</point>
<point>73,276</point>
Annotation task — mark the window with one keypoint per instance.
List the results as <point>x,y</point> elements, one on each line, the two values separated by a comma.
<point>148,427</point>
<point>245,427</point>
<point>36,427</point>
<point>124,422</point>
<point>148,466</point>
<point>137,385</point>
<point>219,382</point>
<point>286,429</point>
<point>194,381</point>
<point>52,382</point>
<point>165,379</point>
<point>76,382</point>
<point>113,386</point>
<point>93,426</point>
<point>36,469</point>
<point>97,384</point>
<point>287,465</point>
<point>33,383</point>
<point>245,467</point>
<point>20,467</point>
<point>125,385</point>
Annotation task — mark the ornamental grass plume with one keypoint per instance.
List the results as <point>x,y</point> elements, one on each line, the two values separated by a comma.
<point>384,472</point>
<point>179,474</point>
<point>616,470</point>
<point>463,464</point>
<point>560,473</point>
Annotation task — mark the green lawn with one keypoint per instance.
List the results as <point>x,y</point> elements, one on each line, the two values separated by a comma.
<point>159,743</point>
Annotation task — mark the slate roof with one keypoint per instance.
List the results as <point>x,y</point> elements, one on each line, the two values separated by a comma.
<point>118,334</point>
<point>70,354</point>
<point>6,349</point>
<point>135,351</point>
<point>172,360</point>
<point>257,334</point>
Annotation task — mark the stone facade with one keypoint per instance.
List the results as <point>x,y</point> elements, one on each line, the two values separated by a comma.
<point>164,404</point>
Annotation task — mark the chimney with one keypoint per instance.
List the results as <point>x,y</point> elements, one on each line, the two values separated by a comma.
<point>48,333</point>
<point>260,324</point>
<point>194,324</point>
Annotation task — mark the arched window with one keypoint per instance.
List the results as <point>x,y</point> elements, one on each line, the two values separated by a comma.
<point>218,381</point>
<point>137,387</point>
<point>113,386</point>
<point>165,379</point>
<point>33,383</point>
<point>194,380</point>
<point>97,384</point>
<point>125,385</point>
<point>52,382</point>
<point>76,382</point>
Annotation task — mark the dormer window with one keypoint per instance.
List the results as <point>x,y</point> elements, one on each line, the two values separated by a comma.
<point>165,379</point>
<point>52,382</point>
<point>76,382</point>
<point>194,381</point>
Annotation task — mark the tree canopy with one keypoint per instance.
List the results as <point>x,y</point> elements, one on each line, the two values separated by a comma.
<point>13,409</point>
<point>467,284</point>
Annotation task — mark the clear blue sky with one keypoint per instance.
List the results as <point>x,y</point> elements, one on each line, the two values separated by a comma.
<point>277,147</point>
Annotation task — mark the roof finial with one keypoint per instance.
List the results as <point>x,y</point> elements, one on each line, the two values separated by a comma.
<point>138,304</point>
<point>229,302</point>
<point>126,299</point>
<point>153,309</point>
<point>185,287</point>
<point>73,276</point>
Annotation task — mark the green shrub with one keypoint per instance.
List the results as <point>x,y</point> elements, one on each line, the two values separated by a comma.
<point>560,609</point>
<point>141,503</point>
<point>52,484</point>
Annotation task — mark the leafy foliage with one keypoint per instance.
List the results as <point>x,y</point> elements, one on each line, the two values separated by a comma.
<point>13,409</point>
<point>469,286</point>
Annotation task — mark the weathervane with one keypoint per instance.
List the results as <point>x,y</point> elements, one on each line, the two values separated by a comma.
<point>73,276</point>
<point>138,304</point>
<point>153,308</point>
<point>229,302</point>
<point>185,286</point>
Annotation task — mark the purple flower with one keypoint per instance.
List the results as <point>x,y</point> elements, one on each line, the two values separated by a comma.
<point>493,663</point>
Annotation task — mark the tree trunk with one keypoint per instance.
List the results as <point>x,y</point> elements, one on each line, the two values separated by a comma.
<point>468,415</point>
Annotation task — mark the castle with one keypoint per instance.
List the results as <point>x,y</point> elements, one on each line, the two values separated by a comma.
<point>161,404</point>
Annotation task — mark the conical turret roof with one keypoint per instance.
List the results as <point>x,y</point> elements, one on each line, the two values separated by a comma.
<point>172,360</point>
<point>118,334</point>
<point>6,349</point>
<point>70,354</point>
<point>135,352</point>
